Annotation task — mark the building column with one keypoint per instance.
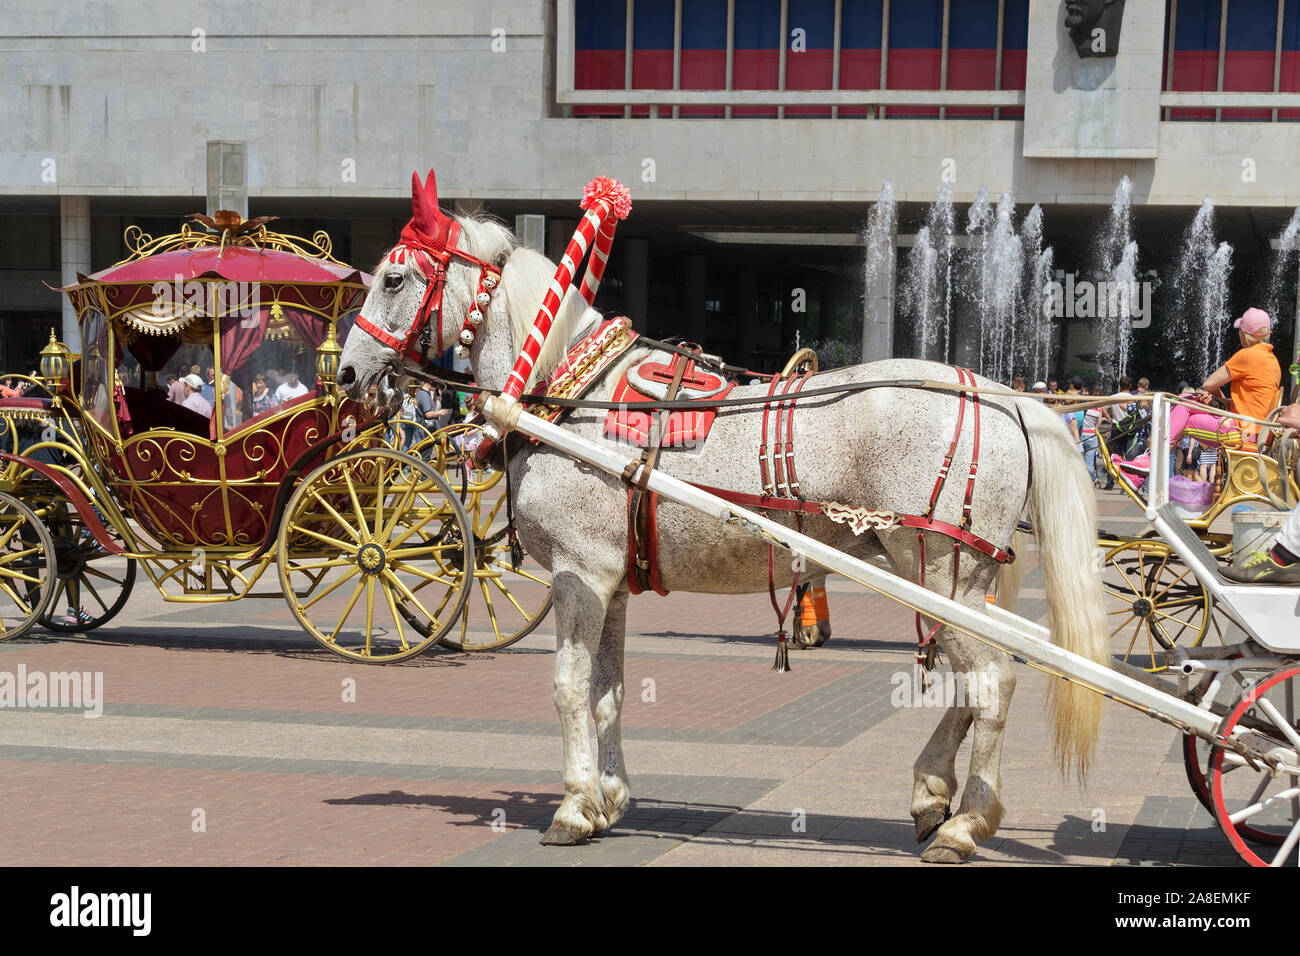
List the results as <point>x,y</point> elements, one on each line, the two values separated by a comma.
<point>696,292</point>
<point>746,314</point>
<point>636,282</point>
<point>74,251</point>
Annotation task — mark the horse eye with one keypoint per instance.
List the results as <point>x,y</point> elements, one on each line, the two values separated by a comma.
<point>392,281</point>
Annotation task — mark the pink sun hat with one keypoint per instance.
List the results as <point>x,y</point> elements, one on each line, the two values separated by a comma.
<point>1253,321</point>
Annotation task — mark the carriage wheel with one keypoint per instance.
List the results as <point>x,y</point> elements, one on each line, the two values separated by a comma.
<point>92,584</point>
<point>1153,601</point>
<point>27,567</point>
<point>372,555</point>
<point>509,595</point>
<point>1261,803</point>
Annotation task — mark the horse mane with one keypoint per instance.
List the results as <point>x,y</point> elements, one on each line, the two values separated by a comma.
<point>525,277</point>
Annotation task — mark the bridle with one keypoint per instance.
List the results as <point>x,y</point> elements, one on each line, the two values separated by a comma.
<point>433,262</point>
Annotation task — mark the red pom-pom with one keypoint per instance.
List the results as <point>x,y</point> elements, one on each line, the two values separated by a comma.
<point>609,191</point>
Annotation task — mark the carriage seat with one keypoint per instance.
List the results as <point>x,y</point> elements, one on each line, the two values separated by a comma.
<point>150,409</point>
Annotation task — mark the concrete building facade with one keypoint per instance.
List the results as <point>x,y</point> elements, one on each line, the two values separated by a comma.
<point>755,135</point>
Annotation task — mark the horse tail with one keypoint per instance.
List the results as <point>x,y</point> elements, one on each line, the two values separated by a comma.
<point>1012,573</point>
<point>1064,512</point>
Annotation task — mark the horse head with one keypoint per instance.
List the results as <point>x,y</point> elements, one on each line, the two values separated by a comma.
<point>431,291</point>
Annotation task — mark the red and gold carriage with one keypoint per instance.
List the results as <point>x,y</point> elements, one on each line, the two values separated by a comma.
<point>246,458</point>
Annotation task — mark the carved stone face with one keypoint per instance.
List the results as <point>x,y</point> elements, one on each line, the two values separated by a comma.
<point>1094,26</point>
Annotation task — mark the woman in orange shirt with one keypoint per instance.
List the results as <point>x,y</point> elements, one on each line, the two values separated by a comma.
<point>1253,373</point>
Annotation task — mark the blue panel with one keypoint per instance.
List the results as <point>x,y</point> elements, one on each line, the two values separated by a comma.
<point>1198,25</point>
<point>973,25</point>
<point>1252,24</point>
<point>1291,26</point>
<point>652,26</point>
<point>860,24</point>
<point>704,25</point>
<point>758,24</point>
<point>916,25</point>
<point>817,18</point>
<point>1015,25</point>
<point>595,29</point>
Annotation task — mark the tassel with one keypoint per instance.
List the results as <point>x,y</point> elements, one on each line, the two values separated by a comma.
<point>782,664</point>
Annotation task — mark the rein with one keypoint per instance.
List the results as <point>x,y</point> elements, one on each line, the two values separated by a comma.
<point>465,382</point>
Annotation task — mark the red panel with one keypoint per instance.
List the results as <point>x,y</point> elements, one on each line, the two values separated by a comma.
<point>972,70</point>
<point>1194,70</point>
<point>1013,78</point>
<point>1289,81</point>
<point>1248,71</point>
<point>914,70</point>
<point>859,70</point>
<point>651,70</point>
<point>755,70</point>
<point>809,70</point>
<point>703,70</point>
<point>598,70</point>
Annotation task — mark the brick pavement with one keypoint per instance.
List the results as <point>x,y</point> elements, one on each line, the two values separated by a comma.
<point>232,710</point>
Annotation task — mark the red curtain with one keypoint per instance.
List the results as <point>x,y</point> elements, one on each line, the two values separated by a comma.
<point>311,328</point>
<point>240,338</point>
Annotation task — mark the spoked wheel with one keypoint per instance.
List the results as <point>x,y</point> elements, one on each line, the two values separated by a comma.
<point>510,595</point>
<point>27,567</point>
<point>92,584</point>
<point>1153,602</point>
<point>373,555</point>
<point>1257,802</point>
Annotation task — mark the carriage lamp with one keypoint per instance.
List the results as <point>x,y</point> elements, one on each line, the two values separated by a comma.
<point>327,358</point>
<point>54,362</point>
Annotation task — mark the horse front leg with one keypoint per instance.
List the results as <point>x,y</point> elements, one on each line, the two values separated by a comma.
<point>579,619</point>
<point>607,709</point>
<point>988,683</point>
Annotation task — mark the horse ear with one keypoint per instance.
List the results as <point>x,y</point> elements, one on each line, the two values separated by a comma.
<point>424,204</point>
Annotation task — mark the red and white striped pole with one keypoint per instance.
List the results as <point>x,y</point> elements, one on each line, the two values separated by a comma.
<point>606,202</point>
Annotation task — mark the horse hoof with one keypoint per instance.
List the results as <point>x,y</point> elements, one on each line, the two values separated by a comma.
<point>560,836</point>
<point>927,821</point>
<point>941,854</point>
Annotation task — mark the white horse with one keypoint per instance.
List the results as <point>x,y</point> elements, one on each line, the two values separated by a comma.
<point>880,448</point>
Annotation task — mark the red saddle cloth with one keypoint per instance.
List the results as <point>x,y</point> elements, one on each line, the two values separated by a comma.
<point>648,382</point>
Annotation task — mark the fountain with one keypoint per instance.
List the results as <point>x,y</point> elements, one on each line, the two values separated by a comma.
<point>926,288</point>
<point>1194,331</point>
<point>878,324</point>
<point>1116,255</point>
<point>1288,243</point>
<point>1034,334</point>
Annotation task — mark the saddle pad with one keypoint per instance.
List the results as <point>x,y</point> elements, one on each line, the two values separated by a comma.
<point>648,380</point>
<point>584,364</point>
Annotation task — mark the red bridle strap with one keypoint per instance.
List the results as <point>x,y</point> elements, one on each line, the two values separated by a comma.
<point>433,263</point>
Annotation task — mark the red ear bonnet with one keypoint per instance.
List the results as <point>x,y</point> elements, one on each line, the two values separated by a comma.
<point>428,229</point>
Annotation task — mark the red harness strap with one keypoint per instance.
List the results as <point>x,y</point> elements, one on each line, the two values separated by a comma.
<point>926,647</point>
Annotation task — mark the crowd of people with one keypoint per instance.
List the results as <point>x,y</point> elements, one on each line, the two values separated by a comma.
<point>186,387</point>
<point>1247,386</point>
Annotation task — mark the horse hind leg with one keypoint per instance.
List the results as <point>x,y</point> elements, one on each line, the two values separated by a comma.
<point>607,709</point>
<point>986,680</point>
<point>934,775</point>
<point>579,618</point>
